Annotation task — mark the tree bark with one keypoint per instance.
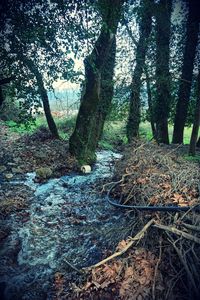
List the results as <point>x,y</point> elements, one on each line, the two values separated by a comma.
<point>187,72</point>
<point>195,129</point>
<point>162,102</point>
<point>150,104</point>
<point>106,94</point>
<point>198,143</point>
<point>144,31</point>
<point>1,96</point>
<point>83,142</point>
<point>43,94</point>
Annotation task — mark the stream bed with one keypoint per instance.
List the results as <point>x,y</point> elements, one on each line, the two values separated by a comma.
<point>68,221</point>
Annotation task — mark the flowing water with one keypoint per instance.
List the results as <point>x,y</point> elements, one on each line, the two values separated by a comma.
<point>68,222</point>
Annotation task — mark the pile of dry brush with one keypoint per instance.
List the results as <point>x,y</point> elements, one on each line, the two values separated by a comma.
<point>161,260</point>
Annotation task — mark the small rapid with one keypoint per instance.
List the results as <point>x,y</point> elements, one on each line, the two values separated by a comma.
<point>68,222</point>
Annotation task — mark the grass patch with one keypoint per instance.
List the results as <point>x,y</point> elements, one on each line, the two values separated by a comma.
<point>114,134</point>
<point>195,158</point>
<point>145,131</point>
<point>114,131</point>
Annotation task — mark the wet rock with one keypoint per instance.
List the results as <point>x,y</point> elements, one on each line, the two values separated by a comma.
<point>17,170</point>
<point>3,168</point>
<point>44,173</point>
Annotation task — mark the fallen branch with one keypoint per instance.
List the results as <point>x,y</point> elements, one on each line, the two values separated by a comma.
<point>179,232</point>
<point>72,266</point>
<point>156,270</point>
<point>192,227</point>
<point>137,237</point>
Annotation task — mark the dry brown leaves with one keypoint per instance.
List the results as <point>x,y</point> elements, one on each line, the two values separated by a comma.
<point>157,175</point>
<point>131,277</point>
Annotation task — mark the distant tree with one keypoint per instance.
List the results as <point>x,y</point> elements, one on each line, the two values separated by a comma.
<point>135,102</point>
<point>191,41</point>
<point>42,92</point>
<point>84,139</point>
<point>196,124</point>
<point>162,101</point>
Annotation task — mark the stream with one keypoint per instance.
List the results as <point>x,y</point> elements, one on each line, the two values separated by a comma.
<point>68,221</point>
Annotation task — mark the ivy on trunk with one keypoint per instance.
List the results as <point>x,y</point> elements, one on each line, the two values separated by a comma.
<point>195,129</point>
<point>162,103</point>
<point>145,30</point>
<point>83,142</point>
<point>187,72</point>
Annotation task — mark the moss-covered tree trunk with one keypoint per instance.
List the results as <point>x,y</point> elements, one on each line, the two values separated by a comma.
<point>162,101</point>
<point>144,31</point>
<point>198,143</point>
<point>83,141</point>
<point>1,96</point>
<point>186,77</point>
<point>106,94</point>
<point>43,94</point>
<point>195,129</point>
<point>150,103</point>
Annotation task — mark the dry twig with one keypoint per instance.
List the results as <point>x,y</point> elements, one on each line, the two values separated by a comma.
<point>178,232</point>
<point>137,237</point>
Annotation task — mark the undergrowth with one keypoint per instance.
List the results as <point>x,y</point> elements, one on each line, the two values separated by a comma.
<point>114,131</point>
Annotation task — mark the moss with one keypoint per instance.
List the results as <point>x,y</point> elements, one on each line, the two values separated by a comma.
<point>44,173</point>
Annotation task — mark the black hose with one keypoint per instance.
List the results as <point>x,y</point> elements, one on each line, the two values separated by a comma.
<point>151,208</point>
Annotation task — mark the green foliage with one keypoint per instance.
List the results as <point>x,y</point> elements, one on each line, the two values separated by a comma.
<point>20,128</point>
<point>195,158</point>
<point>113,135</point>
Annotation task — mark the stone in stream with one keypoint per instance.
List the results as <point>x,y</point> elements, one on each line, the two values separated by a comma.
<point>43,173</point>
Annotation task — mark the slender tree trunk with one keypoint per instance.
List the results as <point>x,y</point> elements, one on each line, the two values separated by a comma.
<point>195,129</point>
<point>107,89</point>
<point>198,143</point>
<point>150,104</point>
<point>43,94</point>
<point>134,111</point>
<point>1,96</point>
<point>83,141</point>
<point>162,102</point>
<point>187,71</point>
<point>45,100</point>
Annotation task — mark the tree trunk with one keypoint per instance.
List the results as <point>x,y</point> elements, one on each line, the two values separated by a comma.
<point>106,94</point>
<point>1,96</point>
<point>150,104</point>
<point>46,106</point>
<point>187,71</point>
<point>144,31</point>
<point>195,129</point>
<point>43,95</point>
<point>162,102</point>
<point>198,143</point>
<point>83,141</point>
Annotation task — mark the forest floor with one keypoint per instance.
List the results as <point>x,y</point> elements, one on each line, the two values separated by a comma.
<point>161,258</point>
